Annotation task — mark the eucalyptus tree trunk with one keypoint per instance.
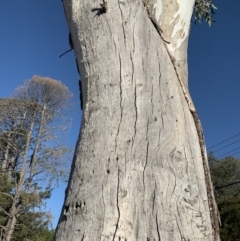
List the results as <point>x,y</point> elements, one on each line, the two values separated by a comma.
<point>139,170</point>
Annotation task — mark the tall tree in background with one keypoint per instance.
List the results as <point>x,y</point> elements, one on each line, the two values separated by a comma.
<point>140,170</point>
<point>32,155</point>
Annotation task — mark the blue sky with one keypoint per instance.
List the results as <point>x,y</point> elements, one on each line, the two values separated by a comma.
<point>34,33</point>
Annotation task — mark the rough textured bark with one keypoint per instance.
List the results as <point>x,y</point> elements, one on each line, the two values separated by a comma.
<point>138,170</point>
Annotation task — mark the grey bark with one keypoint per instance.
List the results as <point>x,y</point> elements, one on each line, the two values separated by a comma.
<point>137,172</point>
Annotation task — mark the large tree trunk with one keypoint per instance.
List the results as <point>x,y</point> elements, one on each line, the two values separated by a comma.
<point>138,171</point>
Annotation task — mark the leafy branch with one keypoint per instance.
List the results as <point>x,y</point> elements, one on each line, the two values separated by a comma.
<point>204,9</point>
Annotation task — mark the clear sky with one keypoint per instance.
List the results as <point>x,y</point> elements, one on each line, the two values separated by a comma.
<point>34,33</point>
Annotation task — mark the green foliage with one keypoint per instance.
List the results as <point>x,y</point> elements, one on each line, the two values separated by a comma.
<point>48,235</point>
<point>5,197</point>
<point>225,174</point>
<point>204,9</point>
<point>33,226</point>
<point>229,209</point>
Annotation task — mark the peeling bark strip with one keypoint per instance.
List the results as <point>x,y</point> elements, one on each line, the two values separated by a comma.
<point>211,201</point>
<point>148,6</point>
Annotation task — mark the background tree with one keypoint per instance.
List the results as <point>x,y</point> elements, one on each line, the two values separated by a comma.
<point>225,172</point>
<point>140,169</point>
<point>33,226</point>
<point>33,156</point>
<point>226,180</point>
<point>32,223</point>
<point>5,200</point>
<point>229,209</point>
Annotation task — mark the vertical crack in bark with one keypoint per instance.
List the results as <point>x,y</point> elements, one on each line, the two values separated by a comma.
<point>159,69</point>
<point>82,239</point>
<point>158,232</point>
<point>145,165</point>
<point>133,71</point>
<point>104,209</point>
<point>179,230</point>
<point>154,197</point>
<point>110,30</point>
<point>146,162</point>
<point>124,35</point>
<point>132,67</point>
<point>121,107</point>
<point>185,153</point>
<point>115,46</point>
<point>152,104</point>
<point>134,36</point>
<point>172,170</point>
<point>175,184</point>
<point>162,119</point>
<point>103,198</point>
<point>136,111</point>
<point>159,83</point>
<point>114,235</point>
<point>135,104</point>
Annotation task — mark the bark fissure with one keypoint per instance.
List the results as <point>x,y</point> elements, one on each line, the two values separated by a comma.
<point>159,70</point>
<point>162,113</point>
<point>135,99</point>
<point>132,68</point>
<point>124,34</point>
<point>184,148</point>
<point>134,36</point>
<point>118,208</point>
<point>82,239</point>
<point>158,231</point>
<point>121,99</point>
<point>136,111</point>
<point>152,103</point>
<point>172,170</point>
<point>179,230</point>
<point>154,197</point>
<point>146,162</point>
<point>104,206</point>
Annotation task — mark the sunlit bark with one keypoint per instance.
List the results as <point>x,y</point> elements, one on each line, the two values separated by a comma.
<point>137,172</point>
